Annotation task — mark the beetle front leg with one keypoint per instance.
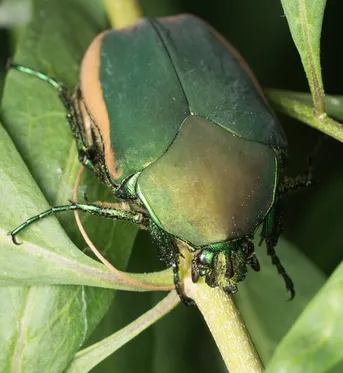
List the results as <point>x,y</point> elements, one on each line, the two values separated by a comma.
<point>225,264</point>
<point>271,231</point>
<point>135,217</point>
<point>169,253</point>
<point>59,87</point>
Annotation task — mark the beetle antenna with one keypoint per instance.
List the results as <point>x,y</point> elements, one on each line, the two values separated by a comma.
<point>96,252</point>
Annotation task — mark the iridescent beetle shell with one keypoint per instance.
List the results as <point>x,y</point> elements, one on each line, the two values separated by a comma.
<point>171,100</point>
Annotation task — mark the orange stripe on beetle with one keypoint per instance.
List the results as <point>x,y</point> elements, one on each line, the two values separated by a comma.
<point>93,99</point>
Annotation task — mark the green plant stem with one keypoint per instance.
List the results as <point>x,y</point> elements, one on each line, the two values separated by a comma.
<point>295,106</point>
<point>227,327</point>
<point>223,319</point>
<point>123,13</point>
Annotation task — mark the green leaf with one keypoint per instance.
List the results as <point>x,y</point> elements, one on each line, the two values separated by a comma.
<point>314,343</point>
<point>262,297</point>
<point>86,359</point>
<point>41,328</point>
<point>305,19</point>
<point>47,255</point>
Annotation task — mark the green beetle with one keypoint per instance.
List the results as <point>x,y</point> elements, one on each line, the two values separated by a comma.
<point>170,118</point>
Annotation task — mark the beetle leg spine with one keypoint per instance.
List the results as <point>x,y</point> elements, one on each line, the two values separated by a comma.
<point>134,217</point>
<point>35,218</point>
<point>272,229</point>
<point>292,183</point>
<point>111,213</point>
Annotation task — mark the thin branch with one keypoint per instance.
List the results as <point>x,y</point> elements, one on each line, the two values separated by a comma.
<point>227,327</point>
<point>295,106</point>
<point>123,13</point>
<point>223,320</point>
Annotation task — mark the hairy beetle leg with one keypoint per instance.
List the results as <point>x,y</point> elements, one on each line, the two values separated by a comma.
<point>293,183</point>
<point>94,209</point>
<point>169,254</point>
<point>306,178</point>
<point>272,229</point>
<point>301,181</point>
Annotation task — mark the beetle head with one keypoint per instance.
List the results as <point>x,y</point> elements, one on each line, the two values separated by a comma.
<point>226,265</point>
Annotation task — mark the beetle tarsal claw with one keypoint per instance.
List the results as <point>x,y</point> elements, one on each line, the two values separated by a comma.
<point>230,289</point>
<point>292,291</point>
<point>14,240</point>
<point>195,271</point>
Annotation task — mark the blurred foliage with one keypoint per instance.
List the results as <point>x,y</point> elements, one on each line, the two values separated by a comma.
<point>258,29</point>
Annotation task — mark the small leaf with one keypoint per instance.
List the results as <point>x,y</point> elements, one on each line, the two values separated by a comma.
<point>314,343</point>
<point>305,19</point>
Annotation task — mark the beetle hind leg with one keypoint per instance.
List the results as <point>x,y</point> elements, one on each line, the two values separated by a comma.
<point>271,231</point>
<point>110,211</point>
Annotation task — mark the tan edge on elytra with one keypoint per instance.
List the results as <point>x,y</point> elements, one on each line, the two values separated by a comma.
<point>93,100</point>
